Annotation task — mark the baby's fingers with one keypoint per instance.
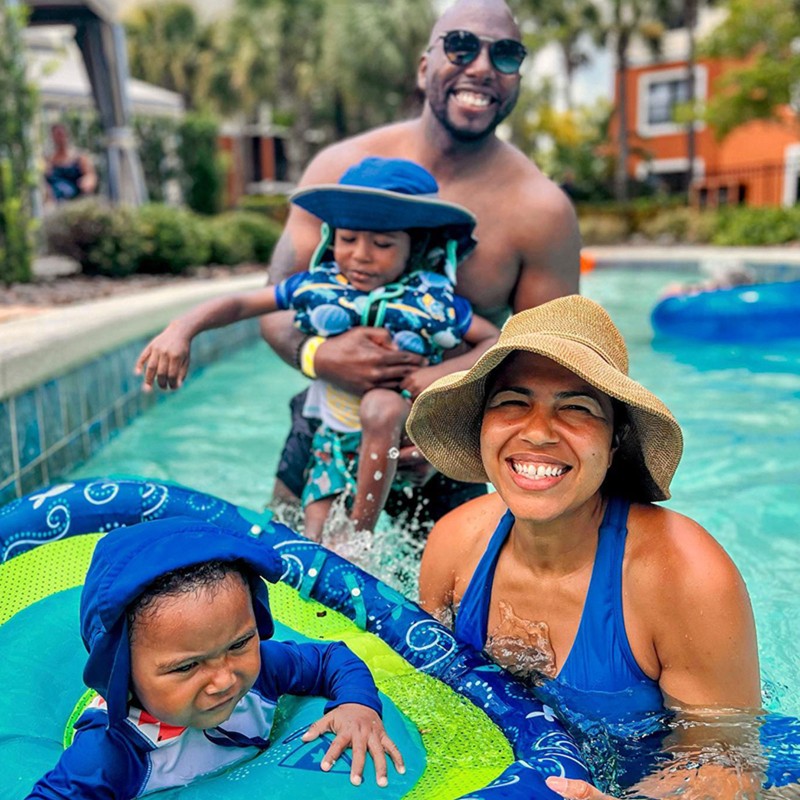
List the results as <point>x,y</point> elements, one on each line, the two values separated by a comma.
<point>140,362</point>
<point>359,755</point>
<point>338,746</point>
<point>394,753</point>
<point>378,754</point>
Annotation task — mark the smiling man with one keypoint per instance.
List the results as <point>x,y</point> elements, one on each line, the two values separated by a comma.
<point>528,239</point>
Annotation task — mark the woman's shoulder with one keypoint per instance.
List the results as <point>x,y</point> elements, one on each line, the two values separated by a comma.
<point>674,553</point>
<point>473,522</point>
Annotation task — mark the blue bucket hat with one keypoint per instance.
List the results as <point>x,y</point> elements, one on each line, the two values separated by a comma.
<point>126,561</point>
<point>390,194</point>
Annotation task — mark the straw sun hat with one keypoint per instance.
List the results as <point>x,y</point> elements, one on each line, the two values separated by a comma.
<point>445,420</point>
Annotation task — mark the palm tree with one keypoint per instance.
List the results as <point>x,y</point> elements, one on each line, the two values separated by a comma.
<point>570,24</point>
<point>168,46</point>
<point>628,20</point>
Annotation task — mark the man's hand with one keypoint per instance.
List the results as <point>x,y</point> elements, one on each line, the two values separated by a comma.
<point>364,358</point>
<point>360,728</point>
<point>167,359</point>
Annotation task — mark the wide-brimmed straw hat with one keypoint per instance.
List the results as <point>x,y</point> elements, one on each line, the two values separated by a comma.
<point>445,420</point>
<point>388,194</point>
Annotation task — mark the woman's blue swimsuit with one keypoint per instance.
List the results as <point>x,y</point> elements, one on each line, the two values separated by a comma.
<point>610,705</point>
<point>601,690</point>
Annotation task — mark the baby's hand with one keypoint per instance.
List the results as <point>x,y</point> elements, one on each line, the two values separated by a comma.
<point>167,359</point>
<point>421,379</point>
<point>361,728</point>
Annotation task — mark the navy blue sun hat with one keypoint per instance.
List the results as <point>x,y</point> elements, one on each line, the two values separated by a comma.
<point>126,561</point>
<point>389,194</point>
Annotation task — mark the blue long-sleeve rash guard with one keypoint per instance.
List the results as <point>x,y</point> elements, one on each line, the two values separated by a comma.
<point>142,755</point>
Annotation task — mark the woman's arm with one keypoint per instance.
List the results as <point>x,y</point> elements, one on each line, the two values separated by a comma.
<point>686,592</point>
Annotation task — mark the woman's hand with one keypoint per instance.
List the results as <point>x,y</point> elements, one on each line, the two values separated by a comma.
<point>360,728</point>
<point>575,790</point>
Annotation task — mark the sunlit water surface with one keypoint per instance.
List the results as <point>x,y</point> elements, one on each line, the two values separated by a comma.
<point>740,475</point>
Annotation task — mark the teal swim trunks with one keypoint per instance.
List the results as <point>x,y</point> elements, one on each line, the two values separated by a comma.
<point>334,466</point>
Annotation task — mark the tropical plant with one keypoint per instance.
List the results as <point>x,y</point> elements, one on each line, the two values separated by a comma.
<point>17,108</point>
<point>765,35</point>
<point>625,21</point>
<point>571,24</point>
<point>169,46</point>
<point>203,174</point>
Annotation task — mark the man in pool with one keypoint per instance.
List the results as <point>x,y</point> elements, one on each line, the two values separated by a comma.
<point>176,620</point>
<point>528,250</point>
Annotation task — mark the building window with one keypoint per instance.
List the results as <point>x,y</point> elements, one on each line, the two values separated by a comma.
<point>662,98</point>
<point>660,92</point>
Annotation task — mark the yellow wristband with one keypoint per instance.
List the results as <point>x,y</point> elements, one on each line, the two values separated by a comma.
<point>307,353</point>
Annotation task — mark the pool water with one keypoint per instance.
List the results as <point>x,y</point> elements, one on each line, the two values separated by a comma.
<point>740,475</point>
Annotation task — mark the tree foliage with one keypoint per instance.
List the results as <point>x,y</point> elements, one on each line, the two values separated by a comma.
<point>765,34</point>
<point>17,108</point>
<point>324,68</point>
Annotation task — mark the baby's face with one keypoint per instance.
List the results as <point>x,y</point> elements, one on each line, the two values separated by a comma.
<point>369,259</point>
<point>195,655</point>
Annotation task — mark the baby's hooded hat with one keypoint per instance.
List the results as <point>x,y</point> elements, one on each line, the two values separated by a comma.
<point>127,560</point>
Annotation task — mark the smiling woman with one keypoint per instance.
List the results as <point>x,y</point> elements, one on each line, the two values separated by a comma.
<point>619,608</point>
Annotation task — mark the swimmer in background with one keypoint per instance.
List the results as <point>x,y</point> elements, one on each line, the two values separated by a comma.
<point>395,251</point>
<point>177,624</point>
<point>718,275</point>
<point>69,174</point>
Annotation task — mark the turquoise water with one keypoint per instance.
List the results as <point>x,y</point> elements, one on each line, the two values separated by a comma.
<point>740,475</point>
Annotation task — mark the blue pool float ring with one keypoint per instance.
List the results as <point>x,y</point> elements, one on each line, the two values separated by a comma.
<point>541,745</point>
<point>754,313</point>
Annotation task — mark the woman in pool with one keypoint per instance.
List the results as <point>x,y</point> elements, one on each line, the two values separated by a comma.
<point>569,574</point>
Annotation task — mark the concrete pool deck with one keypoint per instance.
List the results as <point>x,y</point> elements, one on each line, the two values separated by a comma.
<point>43,342</point>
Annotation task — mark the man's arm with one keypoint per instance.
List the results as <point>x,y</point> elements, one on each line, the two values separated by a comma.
<point>550,249</point>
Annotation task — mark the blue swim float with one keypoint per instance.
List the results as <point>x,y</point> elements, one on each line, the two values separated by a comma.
<point>540,744</point>
<point>754,313</point>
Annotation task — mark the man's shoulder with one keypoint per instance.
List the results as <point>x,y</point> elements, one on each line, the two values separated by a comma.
<point>523,178</point>
<point>388,141</point>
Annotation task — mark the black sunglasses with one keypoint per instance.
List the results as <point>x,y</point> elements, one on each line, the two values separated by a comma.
<point>463,47</point>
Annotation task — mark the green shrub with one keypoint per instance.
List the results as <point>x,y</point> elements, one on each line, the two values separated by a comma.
<point>274,206</point>
<point>203,174</point>
<point>603,228</point>
<point>172,239</point>
<point>238,237</point>
<point>103,239</point>
<point>229,243</point>
<point>17,111</point>
<point>264,233</point>
<point>757,226</point>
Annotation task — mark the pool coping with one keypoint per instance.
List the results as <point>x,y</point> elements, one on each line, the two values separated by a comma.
<point>50,342</point>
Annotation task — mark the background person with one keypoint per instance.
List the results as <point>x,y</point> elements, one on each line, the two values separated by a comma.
<point>528,239</point>
<point>69,174</point>
<point>569,573</point>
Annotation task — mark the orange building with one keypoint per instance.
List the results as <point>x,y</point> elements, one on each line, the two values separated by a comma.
<point>757,164</point>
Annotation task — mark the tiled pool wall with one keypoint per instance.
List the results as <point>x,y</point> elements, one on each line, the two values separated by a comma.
<point>48,430</point>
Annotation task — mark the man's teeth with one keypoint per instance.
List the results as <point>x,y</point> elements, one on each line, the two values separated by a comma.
<point>536,472</point>
<point>472,99</point>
